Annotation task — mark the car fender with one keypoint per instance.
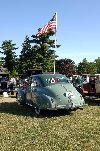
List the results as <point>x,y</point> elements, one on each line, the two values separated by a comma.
<point>43,101</point>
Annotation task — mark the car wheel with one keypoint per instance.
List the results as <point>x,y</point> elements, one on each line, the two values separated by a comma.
<point>37,110</point>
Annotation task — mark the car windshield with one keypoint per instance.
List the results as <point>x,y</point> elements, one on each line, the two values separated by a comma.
<point>50,79</point>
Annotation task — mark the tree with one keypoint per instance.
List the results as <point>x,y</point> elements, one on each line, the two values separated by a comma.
<point>91,68</point>
<point>10,56</point>
<point>45,54</point>
<point>97,61</point>
<point>86,67</point>
<point>25,60</point>
<point>37,53</point>
<point>82,67</point>
<point>66,67</point>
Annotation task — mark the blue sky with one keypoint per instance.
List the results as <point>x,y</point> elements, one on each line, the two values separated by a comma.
<point>78,24</point>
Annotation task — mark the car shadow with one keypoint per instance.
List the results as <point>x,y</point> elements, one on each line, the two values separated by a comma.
<point>15,109</point>
<point>55,113</point>
<point>92,101</point>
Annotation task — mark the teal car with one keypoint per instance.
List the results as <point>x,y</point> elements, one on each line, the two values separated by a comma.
<point>49,92</point>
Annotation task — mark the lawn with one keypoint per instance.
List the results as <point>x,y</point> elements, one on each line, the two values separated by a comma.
<point>22,130</point>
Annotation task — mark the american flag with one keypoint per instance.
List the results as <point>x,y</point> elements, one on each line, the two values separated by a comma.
<point>51,25</point>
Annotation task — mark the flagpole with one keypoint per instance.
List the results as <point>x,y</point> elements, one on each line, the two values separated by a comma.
<point>55,43</point>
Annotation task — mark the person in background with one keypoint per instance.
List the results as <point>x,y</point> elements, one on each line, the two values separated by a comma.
<point>13,81</point>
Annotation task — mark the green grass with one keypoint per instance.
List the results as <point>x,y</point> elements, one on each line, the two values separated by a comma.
<point>22,130</point>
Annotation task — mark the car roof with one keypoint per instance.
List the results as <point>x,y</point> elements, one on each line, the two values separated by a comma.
<point>47,75</point>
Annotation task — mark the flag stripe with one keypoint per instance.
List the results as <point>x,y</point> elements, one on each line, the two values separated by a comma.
<point>51,25</point>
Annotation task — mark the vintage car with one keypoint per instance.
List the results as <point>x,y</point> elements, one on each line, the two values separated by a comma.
<point>49,91</point>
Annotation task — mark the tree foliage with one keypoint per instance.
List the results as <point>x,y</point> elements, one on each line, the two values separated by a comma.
<point>82,67</point>
<point>8,49</point>
<point>86,67</point>
<point>37,53</point>
<point>25,57</point>
<point>45,51</point>
<point>66,67</point>
<point>97,61</point>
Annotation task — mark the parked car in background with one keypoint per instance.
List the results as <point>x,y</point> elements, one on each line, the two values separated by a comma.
<point>49,91</point>
<point>4,82</point>
<point>6,85</point>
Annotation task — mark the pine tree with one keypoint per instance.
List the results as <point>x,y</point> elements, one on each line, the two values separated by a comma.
<point>9,55</point>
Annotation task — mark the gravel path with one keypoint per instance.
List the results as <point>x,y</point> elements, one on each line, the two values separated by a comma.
<point>9,99</point>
